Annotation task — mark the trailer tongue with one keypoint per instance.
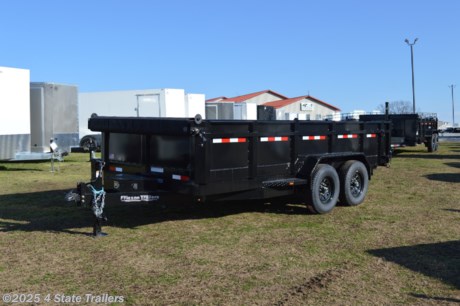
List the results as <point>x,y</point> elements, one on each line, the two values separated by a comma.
<point>161,159</point>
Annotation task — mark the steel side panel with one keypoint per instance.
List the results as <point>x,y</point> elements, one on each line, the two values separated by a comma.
<point>269,150</point>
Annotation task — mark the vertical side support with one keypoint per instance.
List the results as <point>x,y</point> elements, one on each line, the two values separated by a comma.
<point>294,139</point>
<point>331,139</point>
<point>201,158</point>
<point>253,150</point>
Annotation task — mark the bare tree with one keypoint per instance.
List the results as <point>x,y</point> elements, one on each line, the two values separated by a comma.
<point>397,107</point>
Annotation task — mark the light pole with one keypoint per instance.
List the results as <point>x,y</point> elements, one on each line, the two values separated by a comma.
<point>412,64</point>
<point>453,110</point>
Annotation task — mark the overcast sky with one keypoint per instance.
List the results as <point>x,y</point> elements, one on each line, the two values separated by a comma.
<point>350,54</point>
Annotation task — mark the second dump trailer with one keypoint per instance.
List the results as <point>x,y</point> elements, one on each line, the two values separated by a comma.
<point>411,129</point>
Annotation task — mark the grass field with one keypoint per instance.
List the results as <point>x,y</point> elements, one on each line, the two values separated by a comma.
<point>401,246</point>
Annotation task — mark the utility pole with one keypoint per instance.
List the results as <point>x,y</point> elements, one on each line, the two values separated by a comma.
<point>412,65</point>
<point>453,109</point>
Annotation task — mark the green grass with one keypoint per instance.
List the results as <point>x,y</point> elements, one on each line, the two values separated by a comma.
<point>401,246</point>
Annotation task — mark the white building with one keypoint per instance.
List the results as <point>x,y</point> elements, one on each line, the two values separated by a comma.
<point>306,107</point>
<point>303,107</point>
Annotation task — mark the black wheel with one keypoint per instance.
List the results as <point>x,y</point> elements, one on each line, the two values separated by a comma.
<point>324,189</point>
<point>354,181</point>
<point>88,143</point>
<point>433,143</point>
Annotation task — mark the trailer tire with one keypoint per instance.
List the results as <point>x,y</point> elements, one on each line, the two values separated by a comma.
<point>89,143</point>
<point>354,182</point>
<point>433,143</point>
<point>324,189</point>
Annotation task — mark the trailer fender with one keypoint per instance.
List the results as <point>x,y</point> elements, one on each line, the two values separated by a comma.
<point>308,164</point>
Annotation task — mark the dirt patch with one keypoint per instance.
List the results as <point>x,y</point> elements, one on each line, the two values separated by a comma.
<point>311,285</point>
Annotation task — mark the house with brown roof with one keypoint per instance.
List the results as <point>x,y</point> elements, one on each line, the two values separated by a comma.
<point>303,107</point>
<point>258,98</point>
<point>308,107</point>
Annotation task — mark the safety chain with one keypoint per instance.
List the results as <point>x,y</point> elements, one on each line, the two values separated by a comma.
<point>98,201</point>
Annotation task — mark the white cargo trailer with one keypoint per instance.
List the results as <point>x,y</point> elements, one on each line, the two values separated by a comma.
<point>245,111</point>
<point>54,116</point>
<point>220,110</point>
<point>15,113</point>
<point>195,104</point>
<point>165,102</point>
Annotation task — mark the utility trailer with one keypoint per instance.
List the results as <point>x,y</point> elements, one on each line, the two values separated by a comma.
<point>411,129</point>
<point>160,159</point>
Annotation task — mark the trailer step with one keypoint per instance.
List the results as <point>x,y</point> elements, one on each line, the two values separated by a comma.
<point>283,183</point>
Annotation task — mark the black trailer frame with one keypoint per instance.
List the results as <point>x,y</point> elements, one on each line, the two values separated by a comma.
<point>411,129</point>
<point>154,159</point>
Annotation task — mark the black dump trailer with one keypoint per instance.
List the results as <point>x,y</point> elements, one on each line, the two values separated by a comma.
<point>411,129</point>
<point>160,159</point>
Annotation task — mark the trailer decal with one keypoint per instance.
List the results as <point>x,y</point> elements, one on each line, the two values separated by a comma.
<point>157,169</point>
<point>371,135</point>
<point>228,140</point>
<point>138,198</point>
<point>314,137</point>
<point>182,178</point>
<point>273,139</point>
<point>347,136</point>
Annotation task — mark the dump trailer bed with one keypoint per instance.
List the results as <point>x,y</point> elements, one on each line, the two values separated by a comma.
<point>152,159</point>
<point>411,129</point>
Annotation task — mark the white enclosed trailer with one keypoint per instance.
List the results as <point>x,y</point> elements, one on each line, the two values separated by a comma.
<point>54,116</point>
<point>165,102</point>
<point>15,112</point>
<point>195,104</point>
<point>245,111</point>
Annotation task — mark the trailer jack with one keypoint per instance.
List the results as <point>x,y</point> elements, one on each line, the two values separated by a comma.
<point>81,196</point>
<point>97,228</point>
<point>98,204</point>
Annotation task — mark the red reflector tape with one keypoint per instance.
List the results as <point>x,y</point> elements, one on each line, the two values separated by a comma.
<point>347,136</point>
<point>273,139</point>
<point>182,178</point>
<point>115,169</point>
<point>314,137</point>
<point>228,140</point>
<point>371,135</point>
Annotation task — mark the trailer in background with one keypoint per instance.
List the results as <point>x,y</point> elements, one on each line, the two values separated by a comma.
<point>220,110</point>
<point>15,114</point>
<point>54,116</point>
<point>266,112</point>
<point>165,102</point>
<point>411,129</point>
